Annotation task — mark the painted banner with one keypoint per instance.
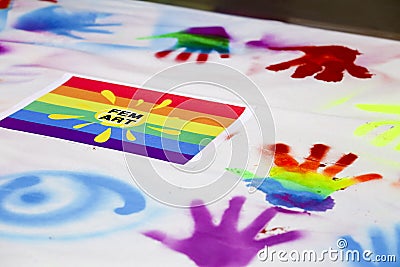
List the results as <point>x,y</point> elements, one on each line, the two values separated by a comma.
<point>159,125</point>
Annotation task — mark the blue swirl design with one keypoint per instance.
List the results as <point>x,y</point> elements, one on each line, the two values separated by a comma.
<point>54,198</point>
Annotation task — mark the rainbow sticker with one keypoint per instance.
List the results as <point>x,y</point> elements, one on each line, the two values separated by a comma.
<point>159,125</point>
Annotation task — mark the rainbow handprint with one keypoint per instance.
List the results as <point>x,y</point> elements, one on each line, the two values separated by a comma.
<point>294,185</point>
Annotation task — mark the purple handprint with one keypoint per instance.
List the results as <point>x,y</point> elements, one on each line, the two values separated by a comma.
<point>224,245</point>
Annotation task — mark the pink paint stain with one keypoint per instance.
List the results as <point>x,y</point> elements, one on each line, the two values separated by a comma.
<point>327,63</point>
<point>224,245</point>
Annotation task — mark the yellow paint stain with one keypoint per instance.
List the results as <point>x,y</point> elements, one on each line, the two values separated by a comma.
<point>139,102</point>
<point>166,131</point>
<point>388,109</point>
<point>164,104</point>
<point>103,137</point>
<point>63,116</point>
<point>370,126</point>
<point>79,126</point>
<point>109,95</point>
<point>397,147</point>
<point>130,136</point>
<point>339,101</point>
<point>387,137</point>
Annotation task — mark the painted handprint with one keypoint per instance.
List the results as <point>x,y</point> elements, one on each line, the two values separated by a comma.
<point>328,63</point>
<point>60,21</point>
<point>224,245</point>
<point>381,254</point>
<point>387,136</point>
<point>294,185</point>
<point>201,40</point>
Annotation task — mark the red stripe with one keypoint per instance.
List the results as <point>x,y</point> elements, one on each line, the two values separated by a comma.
<point>197,105</point>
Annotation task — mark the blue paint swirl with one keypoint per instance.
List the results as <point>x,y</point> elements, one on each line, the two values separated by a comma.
<point>26,200</point>
<point>59,21</point>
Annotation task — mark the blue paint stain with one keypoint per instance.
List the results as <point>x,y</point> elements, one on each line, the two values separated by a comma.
<point>59,21</point>
<point>380,246</point>
<point>34,198</point>
<point>90,191</point>
<point>3,18</point>
<point>279,195</point>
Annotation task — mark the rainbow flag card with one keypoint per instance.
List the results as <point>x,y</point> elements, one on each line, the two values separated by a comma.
<point>150,123</point>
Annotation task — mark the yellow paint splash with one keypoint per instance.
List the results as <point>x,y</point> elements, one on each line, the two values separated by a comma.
<point>130,136</point>
<point>166,131</point>
<point>79,126</point>
<point>139,102</point>
<point>163,104</point>
<point>63,116</point>
<point>103,137</point>
<point>109,95</point>
<point>339,101</point>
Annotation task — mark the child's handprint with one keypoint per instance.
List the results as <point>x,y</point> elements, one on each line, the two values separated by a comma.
<point>327,62</point>
<point>202,40</point>
<point>294,185</point>
<point>59,21</point>
<point>387,136</point>
<point>224,245</point>
<point>380,255</point>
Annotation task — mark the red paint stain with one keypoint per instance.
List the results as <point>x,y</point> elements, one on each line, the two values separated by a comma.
<point>327,63</point>
<point>163,54</point>
<point>51,1</point>
<point>4,4</point>
<point>230,136</point>
<point>396,184</point>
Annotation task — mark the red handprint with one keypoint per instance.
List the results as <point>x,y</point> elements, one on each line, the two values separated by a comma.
<point>327,62</point>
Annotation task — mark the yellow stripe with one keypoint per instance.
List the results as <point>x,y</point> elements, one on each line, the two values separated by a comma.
<point>156,119</point>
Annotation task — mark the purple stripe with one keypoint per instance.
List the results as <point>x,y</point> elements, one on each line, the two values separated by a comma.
<point>86,138</point>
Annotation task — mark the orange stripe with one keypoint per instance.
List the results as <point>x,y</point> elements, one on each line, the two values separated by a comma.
<point>166,111</point>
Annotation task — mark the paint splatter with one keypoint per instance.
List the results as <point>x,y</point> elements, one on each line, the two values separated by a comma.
<point>327,63</point>
<point>224,245</point>
<point>202,40</point>
<point>389,135</point>
<point>294,185</point>
<point>382,254</point>
<point>46,199</point>
<point>60,21</point>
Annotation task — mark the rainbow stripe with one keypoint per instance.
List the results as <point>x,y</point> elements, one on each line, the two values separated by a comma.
<point>158,125</point>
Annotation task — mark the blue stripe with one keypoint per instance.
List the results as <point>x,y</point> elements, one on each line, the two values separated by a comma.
<point>116,133</point>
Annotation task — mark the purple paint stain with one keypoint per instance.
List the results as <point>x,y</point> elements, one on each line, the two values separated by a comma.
<point>224,245</point>
<point>266,41</point>
<point>3,49</point>
<point>209,31</point>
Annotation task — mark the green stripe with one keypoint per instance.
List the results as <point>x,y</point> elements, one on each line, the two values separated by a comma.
<point>187,137</point>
